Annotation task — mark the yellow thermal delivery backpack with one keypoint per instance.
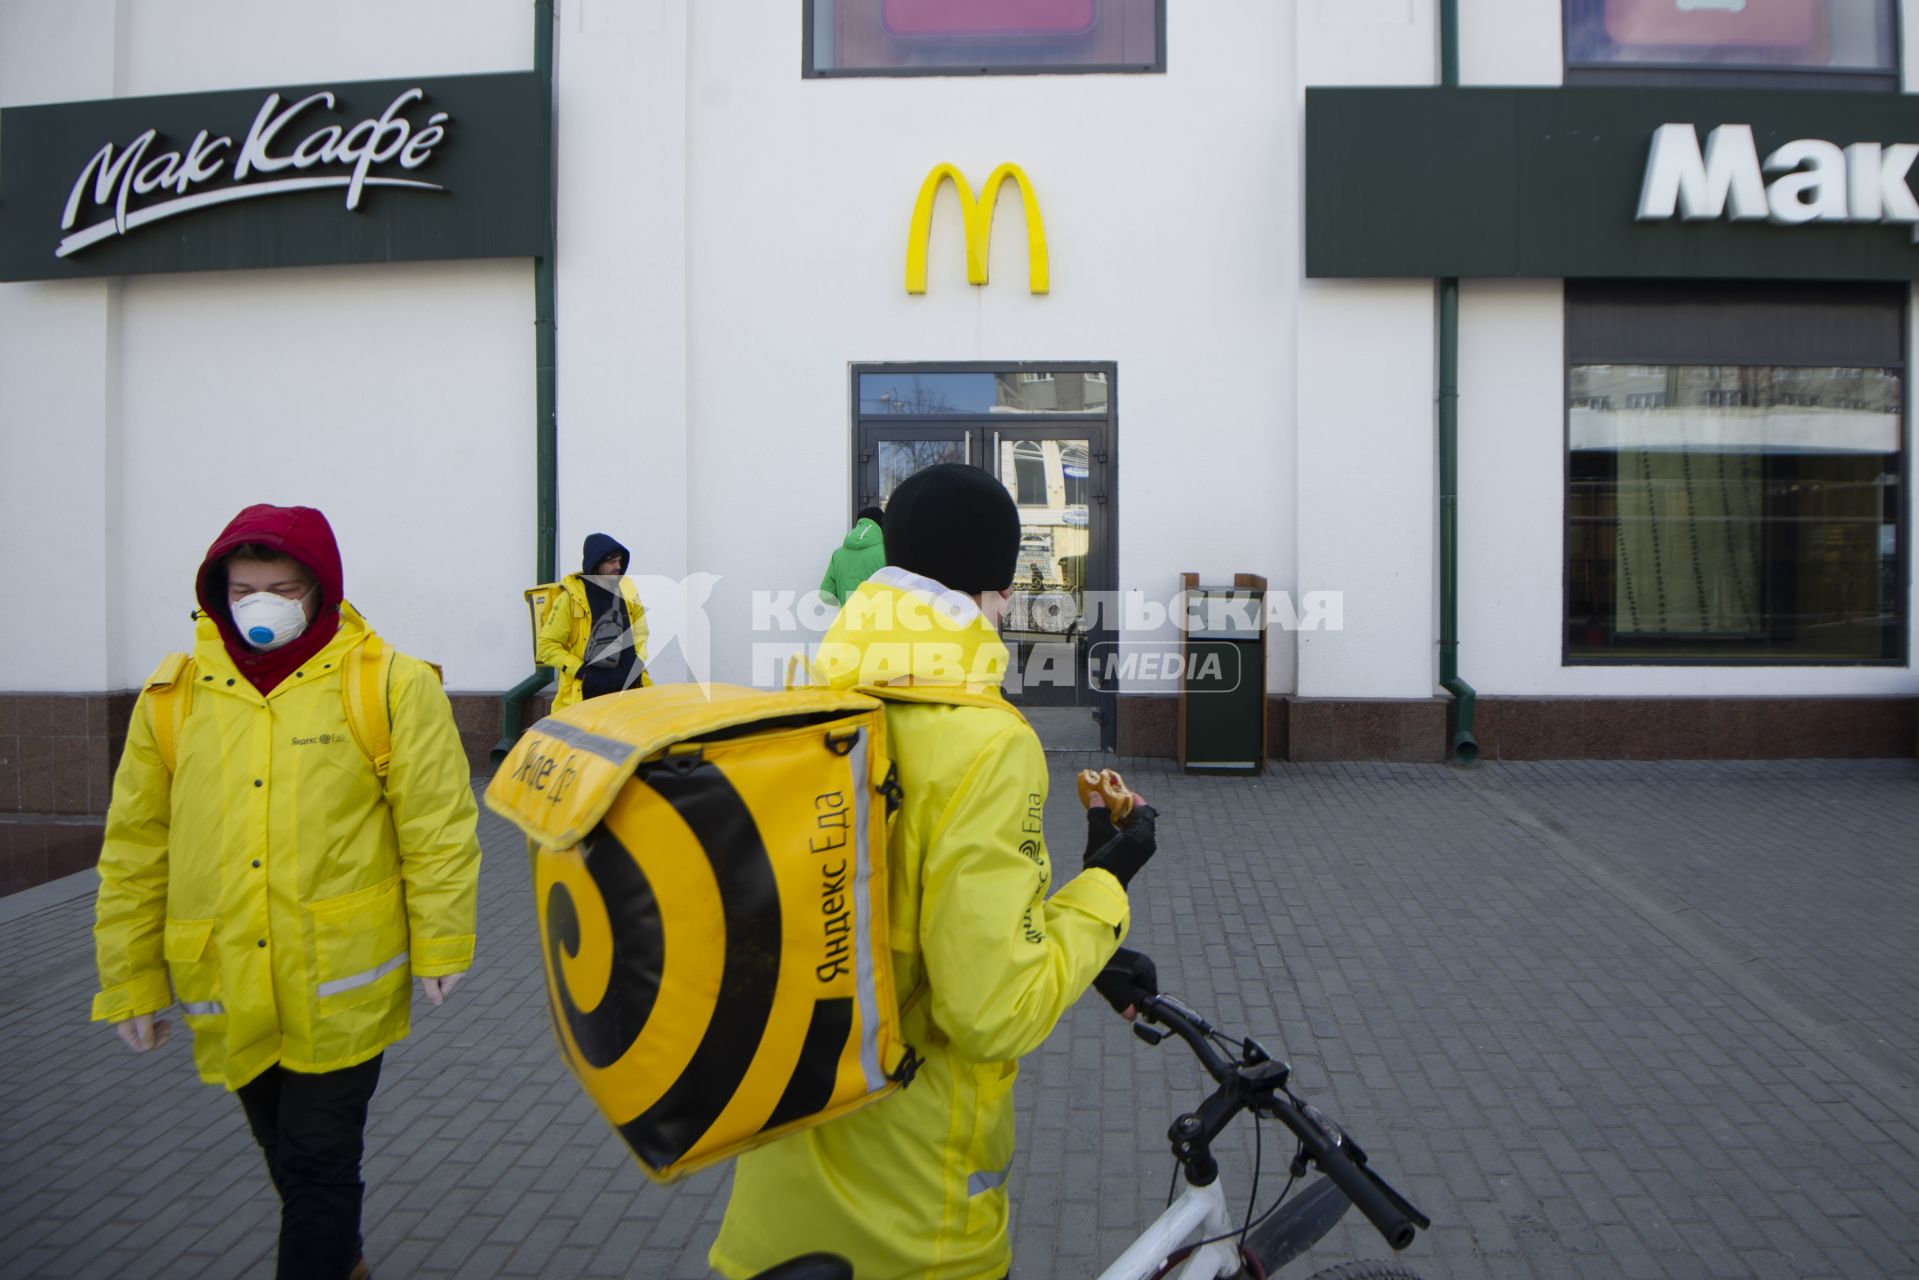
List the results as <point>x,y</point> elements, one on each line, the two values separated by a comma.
<point>709,869</point>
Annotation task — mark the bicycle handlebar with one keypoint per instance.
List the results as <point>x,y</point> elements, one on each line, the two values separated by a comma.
<point>1191,1028</point>
<point>1372,1197</point>
<point>1388,1211</point>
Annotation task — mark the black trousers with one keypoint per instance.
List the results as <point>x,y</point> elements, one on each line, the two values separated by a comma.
<point>313,1129</point>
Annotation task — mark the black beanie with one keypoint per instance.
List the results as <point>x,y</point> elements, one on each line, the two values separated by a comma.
<point>956,525</point>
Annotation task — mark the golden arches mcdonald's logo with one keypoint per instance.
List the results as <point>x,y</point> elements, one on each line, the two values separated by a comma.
<point>977,215</point>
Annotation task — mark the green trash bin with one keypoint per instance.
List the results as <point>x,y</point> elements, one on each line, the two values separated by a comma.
<point>1222,697</point>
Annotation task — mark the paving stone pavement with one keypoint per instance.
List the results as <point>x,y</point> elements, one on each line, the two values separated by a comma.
<point>1597,1019</point>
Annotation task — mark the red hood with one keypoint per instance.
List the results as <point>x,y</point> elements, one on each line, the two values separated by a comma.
<point>300,532</point>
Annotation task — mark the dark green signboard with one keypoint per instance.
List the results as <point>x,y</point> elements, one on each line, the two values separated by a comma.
<point>284,176</point>
<point>1590,182</point>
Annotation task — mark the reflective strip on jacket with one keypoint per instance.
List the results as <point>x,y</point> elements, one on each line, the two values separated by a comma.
<point>564,634</point>
<point>288,896</point>
<point>914,1184</point>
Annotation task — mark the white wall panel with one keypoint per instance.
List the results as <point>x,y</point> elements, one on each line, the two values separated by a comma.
<point>1909,45</point>
<point>1516,42</point>
<point>1512,500</point>
<point>56,50</point>
<point>1374,42</point>
<point>1366,499</point>
<point>55,342</point>
<point>1364,489</point>
<point>623,286</point>
<point>190,46</point>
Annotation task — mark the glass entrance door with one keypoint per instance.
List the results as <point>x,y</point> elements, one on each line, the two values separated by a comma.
<point>1055,460</point>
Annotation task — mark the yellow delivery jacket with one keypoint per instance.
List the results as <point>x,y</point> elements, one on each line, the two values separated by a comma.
<point>273,883</point>
<point>913,1185</point>
<point>569,624</point>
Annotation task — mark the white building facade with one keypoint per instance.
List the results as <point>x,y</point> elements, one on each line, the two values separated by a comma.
<point>738,357</point>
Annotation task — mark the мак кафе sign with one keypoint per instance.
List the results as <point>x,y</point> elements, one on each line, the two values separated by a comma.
<point>1592,182</point>
<point>438,167</point>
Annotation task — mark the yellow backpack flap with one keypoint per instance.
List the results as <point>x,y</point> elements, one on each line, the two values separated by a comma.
<point>709,868</point>
<point>539,603</point>
<point>364,680</point>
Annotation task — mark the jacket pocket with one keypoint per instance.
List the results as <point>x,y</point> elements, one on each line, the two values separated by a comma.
<point>359,946</point>
<point>193,968</point>
<point>991,1154</point>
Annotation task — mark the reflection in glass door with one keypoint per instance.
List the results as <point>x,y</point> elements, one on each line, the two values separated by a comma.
<point>1048,472</point>
<point>893,456</point>
<point>1055,461</point>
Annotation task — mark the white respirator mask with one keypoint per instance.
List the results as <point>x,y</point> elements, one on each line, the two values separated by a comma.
<point>267,621</point>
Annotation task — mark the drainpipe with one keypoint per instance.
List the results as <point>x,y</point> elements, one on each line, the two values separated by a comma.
<point>1464,747</point>
<point>546,426</point>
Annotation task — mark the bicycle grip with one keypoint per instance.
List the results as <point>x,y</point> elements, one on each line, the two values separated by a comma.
<point>1387,1218</point>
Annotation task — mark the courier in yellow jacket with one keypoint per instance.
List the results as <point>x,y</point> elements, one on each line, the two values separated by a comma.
<point>594,634</point>
<point>985,961</point>
<point>274,883</point>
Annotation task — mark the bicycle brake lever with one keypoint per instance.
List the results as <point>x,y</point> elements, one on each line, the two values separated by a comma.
<point>1147,1034</point>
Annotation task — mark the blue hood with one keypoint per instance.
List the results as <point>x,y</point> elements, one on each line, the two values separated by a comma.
<point>598,547</point>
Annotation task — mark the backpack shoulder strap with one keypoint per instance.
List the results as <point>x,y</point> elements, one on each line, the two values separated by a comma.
<point>364,678</point>
<point>168,698</point>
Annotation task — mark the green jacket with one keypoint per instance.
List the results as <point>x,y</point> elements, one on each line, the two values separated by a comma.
<point>857,558</point>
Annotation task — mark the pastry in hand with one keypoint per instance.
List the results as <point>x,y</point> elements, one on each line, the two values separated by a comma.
<point>1109,789</point>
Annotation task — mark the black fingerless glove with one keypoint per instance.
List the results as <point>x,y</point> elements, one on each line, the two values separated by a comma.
<point>1099,830</point>
<point>1129,850</point>
<point>1128,978</point>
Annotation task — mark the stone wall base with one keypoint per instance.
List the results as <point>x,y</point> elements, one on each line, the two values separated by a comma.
<point>1510,728</point>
